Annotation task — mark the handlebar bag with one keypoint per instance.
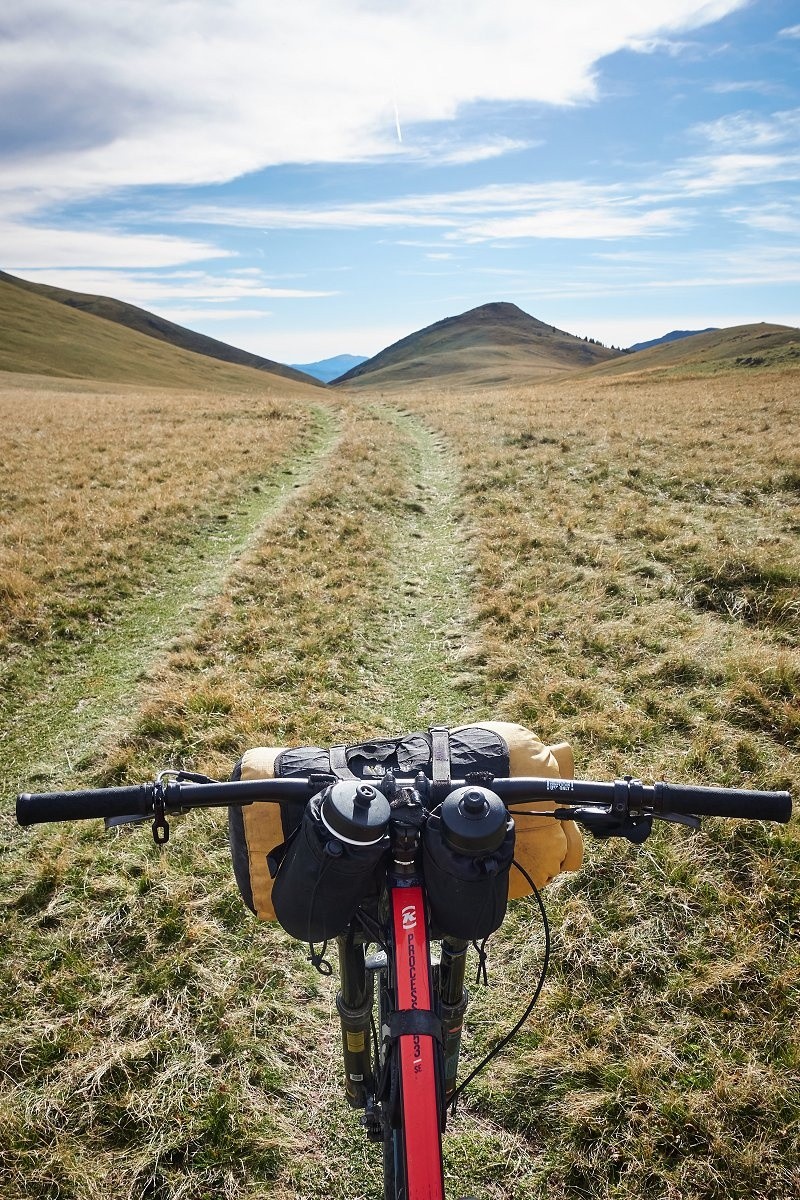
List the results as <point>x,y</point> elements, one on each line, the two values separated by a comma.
<point>543,848</point>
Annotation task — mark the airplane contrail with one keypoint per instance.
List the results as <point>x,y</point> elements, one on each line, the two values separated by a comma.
<point>397,122</point>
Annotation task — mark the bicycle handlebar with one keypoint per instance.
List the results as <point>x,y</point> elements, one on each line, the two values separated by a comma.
<point>144,799</point>
<point>621,798</point>
<point>630,795</point>
<point>723,802</point>
<point>138,800</point>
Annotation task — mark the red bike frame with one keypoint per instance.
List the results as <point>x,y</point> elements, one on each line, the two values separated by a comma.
<point>417,1052</point>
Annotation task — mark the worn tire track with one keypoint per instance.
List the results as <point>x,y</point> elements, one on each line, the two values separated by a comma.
<point>420,680</point>
<point>96,687</point>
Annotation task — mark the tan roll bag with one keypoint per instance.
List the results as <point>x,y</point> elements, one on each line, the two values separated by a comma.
<point>544,848</point>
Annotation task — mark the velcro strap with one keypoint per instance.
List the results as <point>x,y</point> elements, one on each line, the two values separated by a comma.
<point>414,1020</point>
<point>339,763</point>
<point>440,762</point>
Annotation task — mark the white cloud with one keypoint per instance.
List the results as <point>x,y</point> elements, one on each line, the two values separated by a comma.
<point>588,223</point>
<point>746,130</point>
<point>792,31</point>
<point>726,172</point>
<point>142,92</point>
<point>762,86</point>
<point>773,218</point>
<point>561,209</point>
<point>150,289</point>
<point>756,265</point>
<point>655,45</point>
<point>477,151</point>
<point>25,246</point>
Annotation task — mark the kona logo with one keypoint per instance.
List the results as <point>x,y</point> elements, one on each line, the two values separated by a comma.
<point>409,917</point>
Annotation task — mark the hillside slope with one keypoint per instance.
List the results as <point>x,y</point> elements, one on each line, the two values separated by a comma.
<point>757,345</point>
<point>493,344</point>
<point>144,322</point>
<point>674,336</point>
<point>40,336</point>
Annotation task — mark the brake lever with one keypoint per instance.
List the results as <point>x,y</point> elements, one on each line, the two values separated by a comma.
<point>604,824</point>
<point>679,819</point>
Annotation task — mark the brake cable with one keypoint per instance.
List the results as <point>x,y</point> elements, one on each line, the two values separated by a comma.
<point>501,1045</point>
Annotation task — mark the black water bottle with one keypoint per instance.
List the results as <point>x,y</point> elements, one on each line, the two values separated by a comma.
<point>467,851</point>
<point>474,820</point>
<point>334,862</point>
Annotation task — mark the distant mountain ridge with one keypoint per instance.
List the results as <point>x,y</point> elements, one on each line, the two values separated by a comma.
<point>328,369</point>
<point>760,344</point>
<point>142,321</point>
<point>496,343</point>
<point>56,332</point>
<point>676,336</point>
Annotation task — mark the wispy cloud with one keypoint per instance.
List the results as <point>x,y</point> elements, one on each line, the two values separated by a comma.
<point>567,209</point>
<point>763,87</point>
<point>29,246</point>
<point>562,209</point>
<point>773,218</point>
<point>747,130</point>
<point>586,223</point>
<point>477,151</point>
<point>163,288</point>
<point>727,172</point>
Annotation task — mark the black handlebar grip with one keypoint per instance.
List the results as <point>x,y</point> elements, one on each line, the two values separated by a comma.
<point>723,802</point>
<point>84,805</point>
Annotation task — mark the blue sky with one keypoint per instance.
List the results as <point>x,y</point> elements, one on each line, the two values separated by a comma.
<point>327,176</point>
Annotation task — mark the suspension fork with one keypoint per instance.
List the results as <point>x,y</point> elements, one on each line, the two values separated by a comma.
<point>354,1003</point>
<point>453,998</point>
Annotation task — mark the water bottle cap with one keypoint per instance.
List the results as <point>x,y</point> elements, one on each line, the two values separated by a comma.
<point>474,820</point>
<point>355,812</point>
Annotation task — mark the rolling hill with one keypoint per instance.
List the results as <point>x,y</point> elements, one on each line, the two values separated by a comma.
<point>757,345</point>
<point>42,336</point>
<point>674,336</point>
<point>494,344</point>
<point>153,326</point>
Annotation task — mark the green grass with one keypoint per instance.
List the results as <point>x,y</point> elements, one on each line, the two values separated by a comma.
<point>559,564</point>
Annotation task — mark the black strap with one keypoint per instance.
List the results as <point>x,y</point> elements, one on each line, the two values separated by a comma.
<point>339,765</point>
<point>414,1020</point>
<point>440,763</point>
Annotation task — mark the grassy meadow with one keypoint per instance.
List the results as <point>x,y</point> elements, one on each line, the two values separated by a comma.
<point>614,561</point>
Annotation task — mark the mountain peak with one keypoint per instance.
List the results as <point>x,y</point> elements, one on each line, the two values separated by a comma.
<point>495,343</point>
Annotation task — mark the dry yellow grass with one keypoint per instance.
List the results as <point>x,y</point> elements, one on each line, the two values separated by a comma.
<point>622,562</point>
<point>106,494</point>
<point>638,565</point>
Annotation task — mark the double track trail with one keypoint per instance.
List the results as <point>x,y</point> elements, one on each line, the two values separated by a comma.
<point>334,606</point>
<point>344,618</point>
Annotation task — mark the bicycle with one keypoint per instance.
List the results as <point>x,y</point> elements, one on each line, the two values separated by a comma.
<point>390,860</point>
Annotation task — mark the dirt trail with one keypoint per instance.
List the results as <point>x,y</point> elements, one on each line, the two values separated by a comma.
<point>420,680</point>
<point>412,675</point>
<point>95,688</point>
